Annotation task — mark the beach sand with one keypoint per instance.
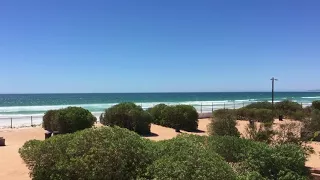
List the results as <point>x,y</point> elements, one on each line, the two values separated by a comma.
<point>13,168</point>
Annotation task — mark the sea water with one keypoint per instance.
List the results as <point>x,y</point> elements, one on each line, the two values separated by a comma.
<point>20,107</point>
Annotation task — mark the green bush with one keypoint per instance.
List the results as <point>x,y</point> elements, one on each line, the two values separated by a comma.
<point>287,107</point>
<point>179,117</point>
<point>316,104</point>
<point>244,113</point>
<point>68,120</point>
<point>251,175</point>
<point>277,162</point>
<point>171,118</point>
<point>102,153</point>
<point>190,117</point>
<point>156,112</point>
<point>260,132</point>
<point>299,115</point>
<point>221,113</point>
<point>261,115</point>
<point>232,149</point>
<point>260,105</point>
<point>128,115</point>
<point>180,158</point>
<point>255,160</point>
<point>49,120</point>
<point>264,115</point>
<point>223,123</point>
<point>307,111</point>
<point>311,125</point>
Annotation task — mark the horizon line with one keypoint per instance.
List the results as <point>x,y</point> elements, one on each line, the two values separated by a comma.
<point>173,92</point>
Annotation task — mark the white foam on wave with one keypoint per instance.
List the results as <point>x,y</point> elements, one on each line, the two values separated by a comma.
<point>95,107</point>
<point>49,107</point>
<point>313,97</point>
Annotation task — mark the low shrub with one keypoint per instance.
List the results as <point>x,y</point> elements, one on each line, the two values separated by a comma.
<point>183,117</point>
<point>287,107</point>
<point>256,160</point>
<point>299,115</point>
<point>262,132</point>
<point>223,123</point>
<point>250,175</point>
<point>311,125</point>
<point>277,162</point>
<point>260,105</point>
<point>128,115</point>
<point>68,120</point>
<point>316,104</point>
<point>190,117</point>
<point>264,115</point>
<point>307,111</point>
<point>49,120</point>
<point>231,148</point>
<point>261,115</point>
<point>102,153</point>
<point>180,158</point>
<point>156,112</point>
<point>244,113</point>
<point>289,133</point>
<point>221,113</point>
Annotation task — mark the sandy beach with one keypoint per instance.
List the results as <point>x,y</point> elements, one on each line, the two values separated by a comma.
<point>13,168</point>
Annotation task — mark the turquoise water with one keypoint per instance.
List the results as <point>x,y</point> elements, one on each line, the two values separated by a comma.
<point>37,104</point>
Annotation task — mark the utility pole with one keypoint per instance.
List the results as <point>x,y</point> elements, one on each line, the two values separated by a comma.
<point>273,79</point>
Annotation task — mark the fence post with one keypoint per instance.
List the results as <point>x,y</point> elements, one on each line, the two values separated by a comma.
<point>201,108</point>
<point>234,105</point>
<point>31,121</point>
<point>224,105</point>
<point>11,123</point>
<point>212,107</point>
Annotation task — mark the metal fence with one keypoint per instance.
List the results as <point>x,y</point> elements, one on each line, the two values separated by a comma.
<point>203,109</point>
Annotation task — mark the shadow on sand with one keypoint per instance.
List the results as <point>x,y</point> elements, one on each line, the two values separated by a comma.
<point>197,131</point>
<point>150,135</point>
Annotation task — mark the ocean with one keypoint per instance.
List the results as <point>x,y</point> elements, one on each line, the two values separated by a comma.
<point>20,107</point>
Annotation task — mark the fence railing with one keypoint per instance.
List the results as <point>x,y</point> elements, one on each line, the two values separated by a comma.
<point>202,108</point>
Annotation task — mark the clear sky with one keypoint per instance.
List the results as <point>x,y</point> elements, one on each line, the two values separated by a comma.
<point>158,45</point>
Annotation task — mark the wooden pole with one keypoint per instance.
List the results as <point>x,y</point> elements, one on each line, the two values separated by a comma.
<point>201,108</point>
<point>212,107</point>
<point>273,79</point>
<point>11,123</point>
<point>31,121</point>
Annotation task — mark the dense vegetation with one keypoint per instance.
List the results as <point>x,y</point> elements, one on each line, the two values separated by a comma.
<point>223,123</point>
<point>316,105</point>
<point>128,115</point>
<point>103,153</point>
<point>68,120</point>
<point>312,125</point>
<point>116,153</point>
<point>183,117</point>
<point>181,158</point>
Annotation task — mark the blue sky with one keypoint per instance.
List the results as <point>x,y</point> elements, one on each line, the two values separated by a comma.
<point>158,46</point>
